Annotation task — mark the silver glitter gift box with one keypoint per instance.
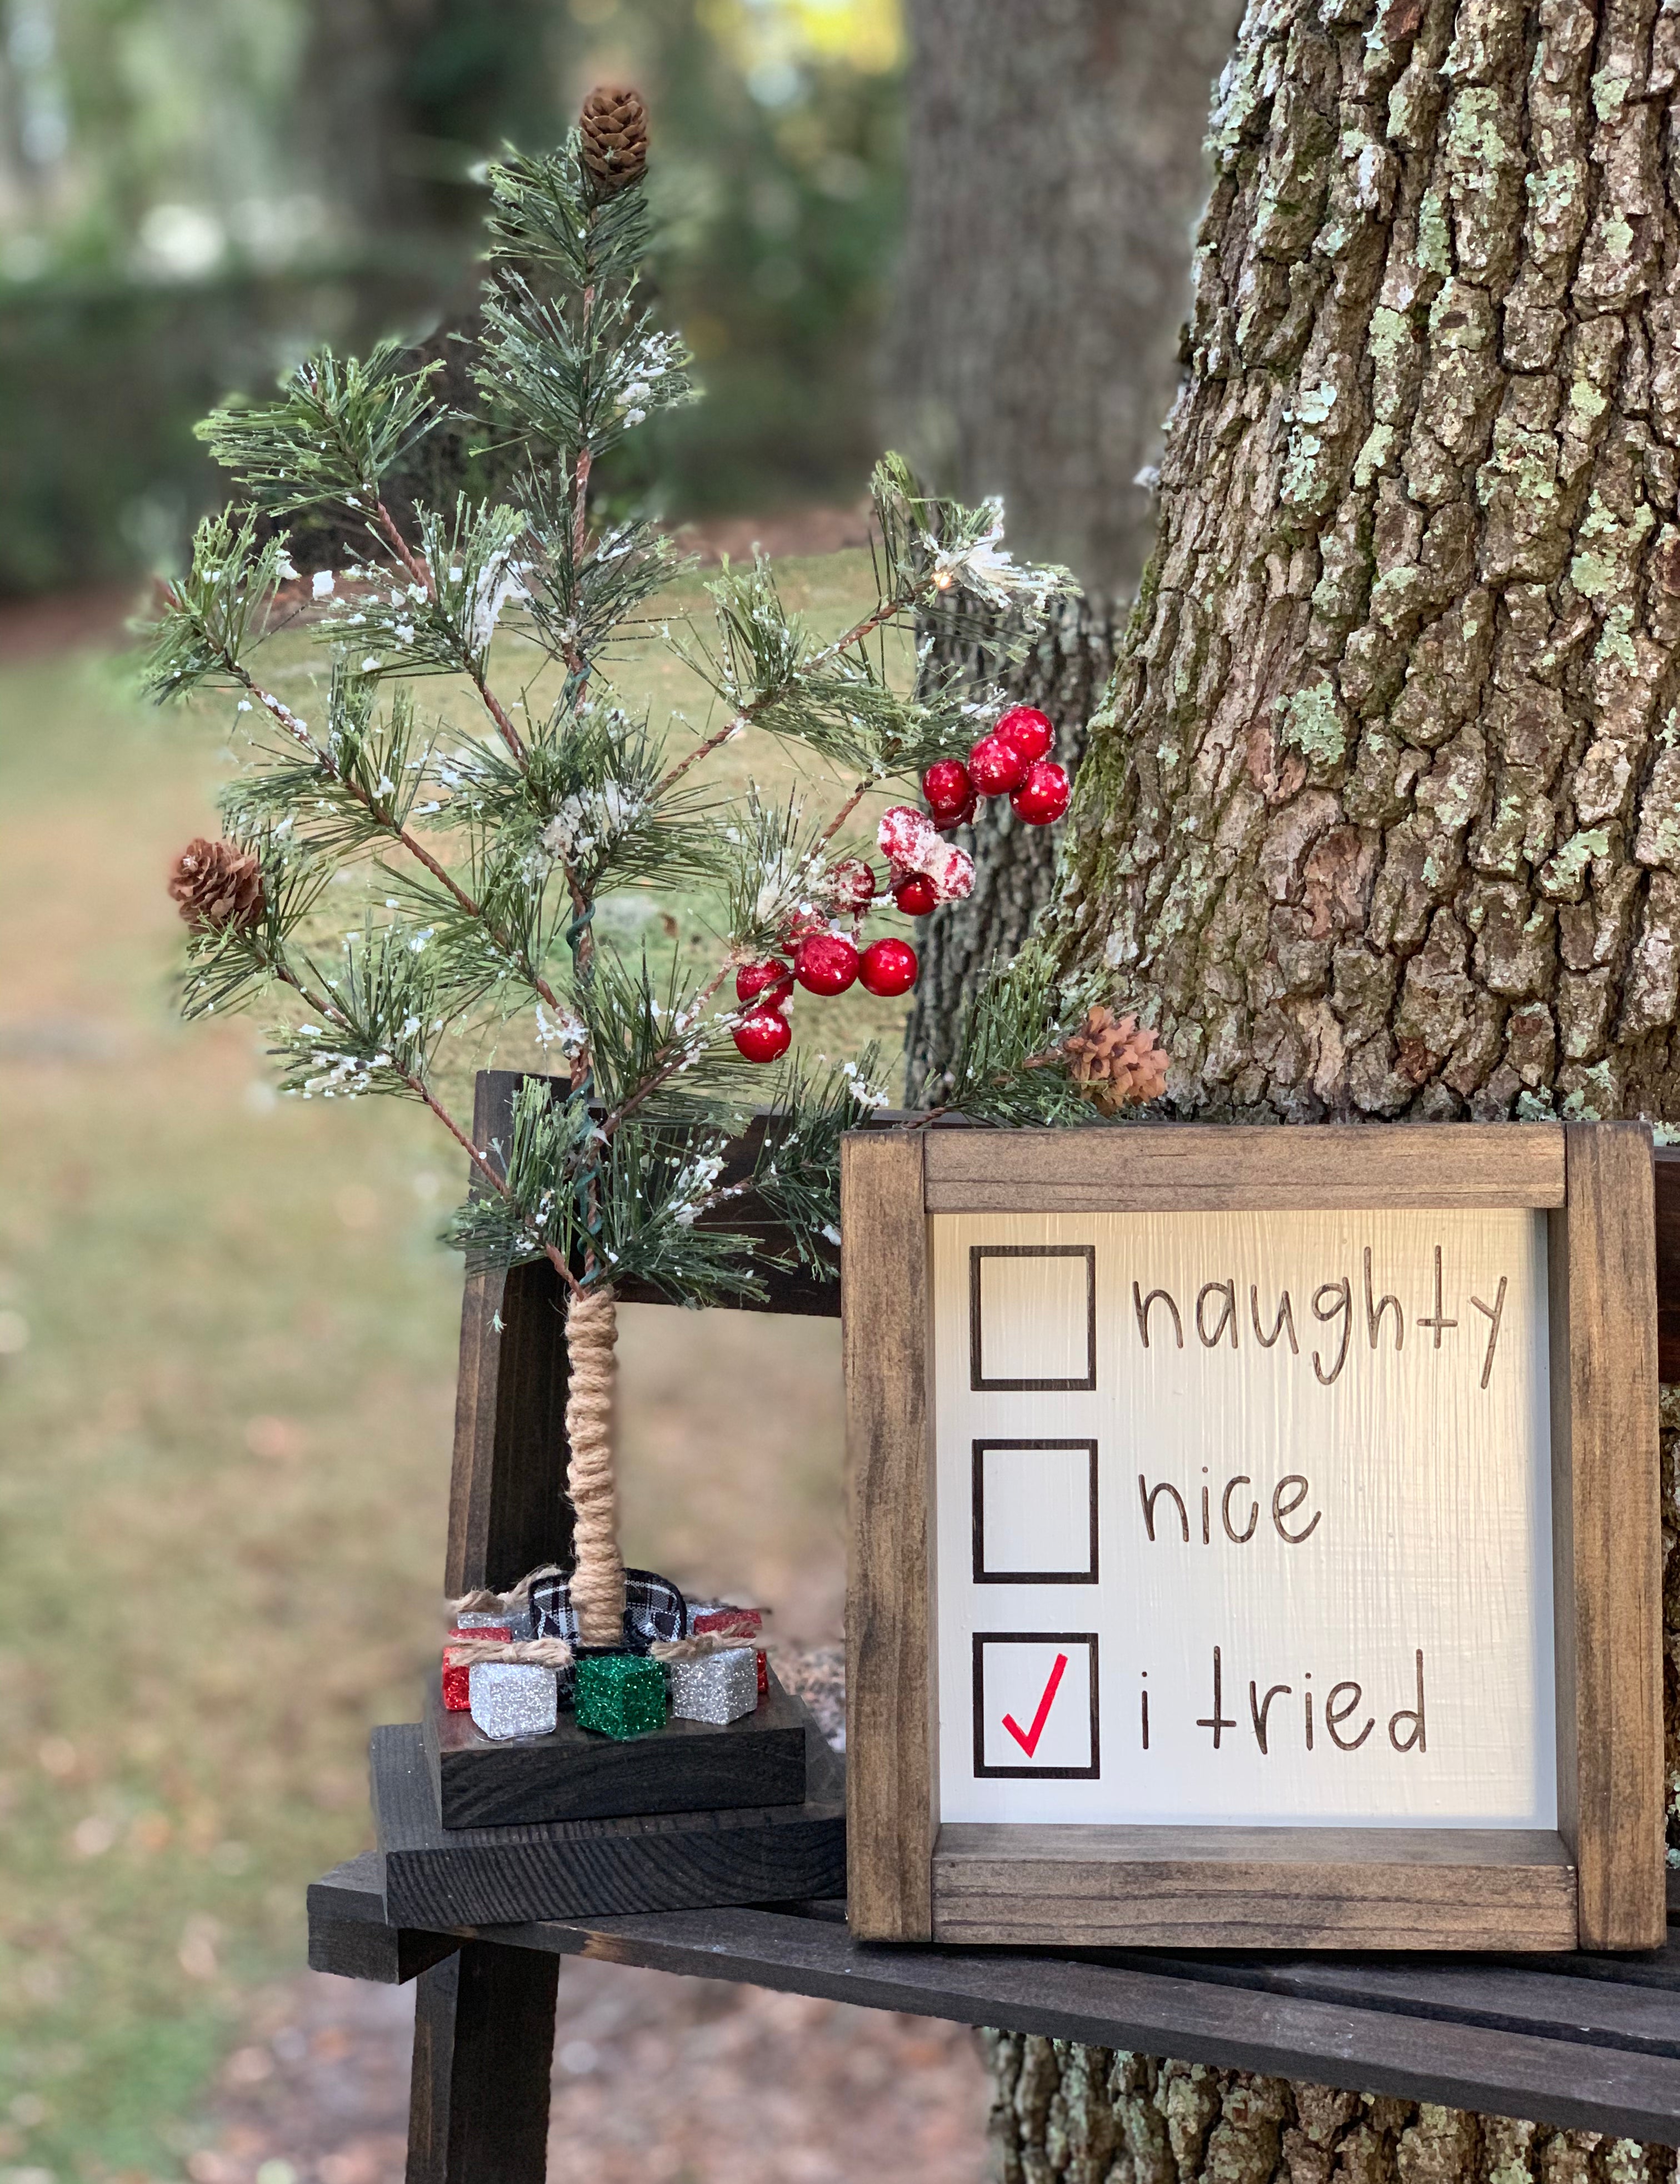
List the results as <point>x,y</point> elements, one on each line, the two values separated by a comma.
<point>719,1688</point>
<point>508,1699</point>
<point>515,1620</point>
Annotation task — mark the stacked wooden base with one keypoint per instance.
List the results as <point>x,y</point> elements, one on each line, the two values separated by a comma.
<point>472,1832</point>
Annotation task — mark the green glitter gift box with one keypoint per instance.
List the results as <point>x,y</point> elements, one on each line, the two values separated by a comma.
<point>620,1694</point>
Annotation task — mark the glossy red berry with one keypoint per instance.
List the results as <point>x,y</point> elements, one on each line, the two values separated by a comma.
<point>770,982</point>
<point>852,883</point>
<point>888,968</point>
<point>963,818</point>
<point>826,963</point>
<point>1028,731</point>
<point>995,767</point>
<point>946,787</point>
<point>763,1035</point>
<point>915,896</point>
<point>1043,796</point>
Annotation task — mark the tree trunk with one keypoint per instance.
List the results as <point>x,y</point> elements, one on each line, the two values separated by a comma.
<point>1382,817</point>
<point>1056,170</point>
<point>1090,2116</point>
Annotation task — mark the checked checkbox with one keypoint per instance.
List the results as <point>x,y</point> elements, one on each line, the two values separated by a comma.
<point>1035,1703</point>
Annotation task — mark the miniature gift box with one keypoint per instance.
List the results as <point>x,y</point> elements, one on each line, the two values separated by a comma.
<point>718,1687</point>
<point>456,1696</point>
<point>619,1695</point>
<point>509,1698</point>
<point>731,1622</point>
<point>719,1617</point>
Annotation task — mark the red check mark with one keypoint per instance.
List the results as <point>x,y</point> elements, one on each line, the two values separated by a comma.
<point>1028,1739</point>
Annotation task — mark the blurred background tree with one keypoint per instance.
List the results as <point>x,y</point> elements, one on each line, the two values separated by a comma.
<point>193,191</point>
<point>1054,175</point>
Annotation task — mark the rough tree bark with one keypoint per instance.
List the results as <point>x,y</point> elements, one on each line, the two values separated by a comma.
<point>1382,817</point>
<point>1055,171</point>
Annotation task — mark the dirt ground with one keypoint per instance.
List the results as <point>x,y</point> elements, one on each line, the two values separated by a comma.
<point>657,2080</point>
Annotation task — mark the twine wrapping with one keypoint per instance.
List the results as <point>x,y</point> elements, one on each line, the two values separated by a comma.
<point>703,1643</point>
<point>483,1601</point>
<point>598,1576</point>
<point>523,1652</point>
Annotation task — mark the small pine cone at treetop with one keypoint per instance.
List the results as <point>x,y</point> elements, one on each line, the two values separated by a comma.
<point>614,125</point>
<point>1117,1060</point>
<point>218,886</point>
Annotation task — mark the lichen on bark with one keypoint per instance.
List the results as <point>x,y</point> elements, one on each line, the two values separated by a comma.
<point>1384,817</point>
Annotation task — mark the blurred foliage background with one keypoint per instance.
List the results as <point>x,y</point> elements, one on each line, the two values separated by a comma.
<point>192,192</point>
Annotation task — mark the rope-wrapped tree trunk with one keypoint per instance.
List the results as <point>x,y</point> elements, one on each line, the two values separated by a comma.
<point>598,1574</point>
<point>1382,817</point>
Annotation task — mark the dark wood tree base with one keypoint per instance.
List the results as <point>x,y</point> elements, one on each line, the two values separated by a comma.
<point>568,1868</point>
<point>574,1775</point>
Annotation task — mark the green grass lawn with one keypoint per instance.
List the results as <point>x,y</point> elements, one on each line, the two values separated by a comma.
<point>226,1378</point>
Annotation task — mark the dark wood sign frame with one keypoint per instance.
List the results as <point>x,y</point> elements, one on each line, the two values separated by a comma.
<point>1595,1883</point>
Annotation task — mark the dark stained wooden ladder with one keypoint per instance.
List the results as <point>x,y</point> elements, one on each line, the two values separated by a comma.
<point>1580,2041</point>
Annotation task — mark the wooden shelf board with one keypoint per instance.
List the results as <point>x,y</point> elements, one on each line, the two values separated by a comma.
<point>1580,2041</point>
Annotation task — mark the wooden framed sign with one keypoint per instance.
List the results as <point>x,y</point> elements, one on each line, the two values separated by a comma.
<point>1255,1537</point>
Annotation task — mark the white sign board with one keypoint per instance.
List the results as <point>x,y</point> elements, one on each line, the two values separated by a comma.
<point>1243,1517</point>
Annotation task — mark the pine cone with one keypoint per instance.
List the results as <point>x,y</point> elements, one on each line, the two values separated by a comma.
<point>614,132</point>
<point>218,886</point>
<point>1116,1060</point>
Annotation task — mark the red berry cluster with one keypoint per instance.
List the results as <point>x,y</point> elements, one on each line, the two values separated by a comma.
<point>923,872</point>
<point>1010,762</point>
<point>823,962</point>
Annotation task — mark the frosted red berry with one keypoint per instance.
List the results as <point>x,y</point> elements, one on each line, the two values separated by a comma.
<point>763,1035</point>
<point>946,787</point>
<point>852,883</point>
<point>1026,729</point>
<point>995,767</point>
<point>903,835</point>
<point>888,968</point>
<point>915,896</point>
<point>826,963</point>
<point>1043,796</point>
<point>770,982</point>
<point>949,825</point>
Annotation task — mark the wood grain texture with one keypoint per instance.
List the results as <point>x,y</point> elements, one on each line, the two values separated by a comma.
<point>1607,1535</point>
<point>487,1876</point>
<point>885,1332</point>
<point>1665,1172</point>
<point>1592,2050</point>
<point>349,1935</point>
<point>484,2049</point>
<point>1270,1888</point>
<point>1190,1168</point>
<point>573,1774</point>
<point>508,1508</point>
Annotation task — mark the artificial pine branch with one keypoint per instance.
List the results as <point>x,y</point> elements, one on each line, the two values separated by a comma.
<point>485,856</point>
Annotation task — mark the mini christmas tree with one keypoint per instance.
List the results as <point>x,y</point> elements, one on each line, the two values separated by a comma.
<point>493,852</point>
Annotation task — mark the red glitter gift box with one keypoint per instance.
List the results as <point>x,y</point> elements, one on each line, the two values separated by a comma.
<point>456,1673</point>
